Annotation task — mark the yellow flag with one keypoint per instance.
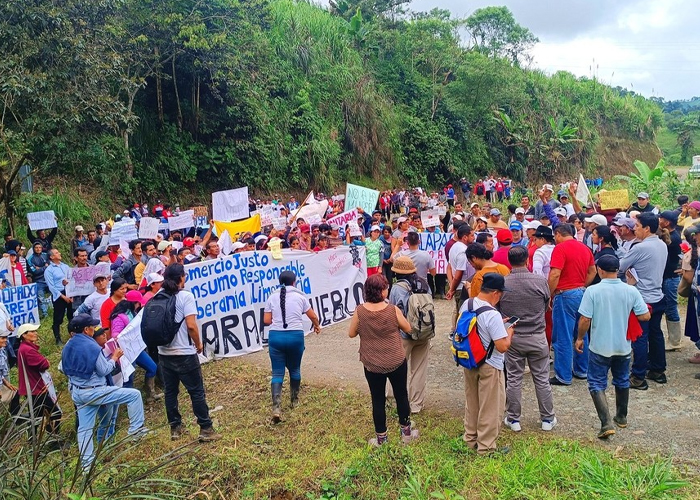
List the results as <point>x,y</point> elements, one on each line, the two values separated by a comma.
<point>235,229</point>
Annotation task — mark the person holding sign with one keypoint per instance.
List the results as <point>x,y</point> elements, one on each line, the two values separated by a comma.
<point>43,238</point>
<point>56,276</point>
<point>284,312</point>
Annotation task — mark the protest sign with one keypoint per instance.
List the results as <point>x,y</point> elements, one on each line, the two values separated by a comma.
<point>183,221</point>
<point>130,340</point>
<point>430,218</point>
<point>614,199</point>
<point>80,279</point>
<point>231,293</point>
<point>441,210</point>
<point>434,244</point>
<point>201,211</point>
<point>267,213</point>
<point>279,223</point>
<point>313,219</point>
<point>148,228</point>
<point>343,218</point>
<point>315,210</point>
<point>358,196</point>
<point>354,229</point>
<point>124,230</point>
<point>200,221</point>
<point>250,225</point>
<point>42,220</point>
<point>22,304</point>
<point>230,205</point>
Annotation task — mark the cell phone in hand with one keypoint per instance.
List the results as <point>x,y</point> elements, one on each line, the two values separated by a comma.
<point>511,321</point>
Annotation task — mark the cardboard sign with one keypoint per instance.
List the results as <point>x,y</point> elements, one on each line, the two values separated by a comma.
<point>430,218</point>
<point>230,205</point>
<point>148,228</point>
<point>614,199</point>
<point>42,220</point>
<point>358,196</point>
<point>201,211</point>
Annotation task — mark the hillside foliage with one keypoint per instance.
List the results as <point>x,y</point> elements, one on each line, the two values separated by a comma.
<point>158,97</point>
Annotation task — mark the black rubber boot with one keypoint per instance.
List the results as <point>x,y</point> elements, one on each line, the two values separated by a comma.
<point>276,389</point>
<point>622,398</point>
<point>601,406</point>
<point>294,385</point>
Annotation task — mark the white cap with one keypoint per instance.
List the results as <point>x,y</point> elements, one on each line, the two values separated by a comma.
<point>533,224</point>
<point>154,278</point>
<point>375,228</point>
<point>598,219</point>
<point>560,211</point>
<point>547,187</point>
<point>402,219</point>
<point>237,245</point>
<point>79,229</point>
<point>520,210</point>
<point>260,238</point>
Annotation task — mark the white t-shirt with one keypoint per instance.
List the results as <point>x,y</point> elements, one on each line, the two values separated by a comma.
<point>541,260</point>
<point>491,328</point>
<point>93,303</point>
<point>181,345</point>
<point>459,262</point>
<point>295,307</point>
<point>421,259</point>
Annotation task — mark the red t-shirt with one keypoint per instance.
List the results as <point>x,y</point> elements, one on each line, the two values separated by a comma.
<point>106,311</point>
<point>573,258</point>
<point>501,256</point>
<point>531,249</point>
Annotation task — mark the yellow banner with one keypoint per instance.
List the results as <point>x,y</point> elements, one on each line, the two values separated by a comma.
<point>251,224</point>
<point>614,199</point>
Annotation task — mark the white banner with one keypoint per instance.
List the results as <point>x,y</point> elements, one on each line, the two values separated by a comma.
<point>183,221</point>
<point>21,302</point>
<point>148,228</point>
<point>42,220</point>
<point>130,340</point>
<point>230,205</point>
<point>342,219</point>
<point>358,196</point>
<point>434,244</point>
<point>231,293</point>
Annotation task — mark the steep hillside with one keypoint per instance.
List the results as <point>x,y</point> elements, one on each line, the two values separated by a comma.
<point>616,155</point>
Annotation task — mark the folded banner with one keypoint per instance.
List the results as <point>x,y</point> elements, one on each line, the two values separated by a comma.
<point>251,224</point>
<point>21,302</point>
<point>434,244</point>
<point>231,293</point>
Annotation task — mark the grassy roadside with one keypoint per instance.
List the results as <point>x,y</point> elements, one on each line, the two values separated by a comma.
<point>320,452</point>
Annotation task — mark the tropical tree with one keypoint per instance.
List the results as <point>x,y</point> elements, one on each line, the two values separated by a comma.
<point>495,32</point>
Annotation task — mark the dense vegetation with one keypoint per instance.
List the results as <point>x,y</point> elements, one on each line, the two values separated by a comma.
<point>679,139</point>
<point>147,97</point>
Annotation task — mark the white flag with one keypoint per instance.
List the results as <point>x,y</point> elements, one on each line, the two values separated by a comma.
<point>225,243</point>
<point>582,193</point>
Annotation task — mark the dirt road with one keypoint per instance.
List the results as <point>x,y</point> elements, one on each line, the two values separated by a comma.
<point>665,419</point>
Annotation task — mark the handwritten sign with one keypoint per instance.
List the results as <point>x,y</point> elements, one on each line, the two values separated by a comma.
<point>201,211</point>
<point>22,304</point>
<point>344,218</point>
<point>124,230</point>
<point>148,228</point>
<point>230,205</point>
<point>279,223</point>
<point>430,218</point>
<point>81,278</point>
<point>354,229</point>
<point>358,196</point>
<point>41,220</point>
<point>618,198</point>
<point>183,221</point>
<point>434,244</point>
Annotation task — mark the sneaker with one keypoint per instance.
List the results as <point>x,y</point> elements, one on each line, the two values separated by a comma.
<point>175,433</point>
<point>548,425</point>
<point>140,433</point>
<point>695,359</point>
<point>208,435</point>
<point>638,384</point>
<point>409,434</point>
<point>514,425</point>
<point>658,377</point>
<point>379,440</point>
<point>556,381</point>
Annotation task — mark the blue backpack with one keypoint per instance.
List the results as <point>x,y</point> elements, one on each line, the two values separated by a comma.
<point>467,348</point>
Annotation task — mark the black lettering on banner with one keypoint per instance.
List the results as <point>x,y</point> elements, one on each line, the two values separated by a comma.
<point>228,323</point>
<point>358,292</point>
<point>322,310</point>
<point>337,301</point>
<point>214,339</point>
<point>250,325</point>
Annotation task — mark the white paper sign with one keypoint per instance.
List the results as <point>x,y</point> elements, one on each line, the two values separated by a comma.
<point>279,223</point>
<point>230,205</point>
<point>50,388</point>
<point>41,220</point>
<point>313,219</point>
<point>354,229</point>
<point>430,218</point>
<point>130,339</point>
<point>124,230</point>
<point>442,210</point>
<point>183,221</point>
<point>80,280</point>
<point>148,228</point>
<point>267,213</point>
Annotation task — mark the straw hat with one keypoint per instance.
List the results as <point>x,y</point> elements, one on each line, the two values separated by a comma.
<point>403,265</point>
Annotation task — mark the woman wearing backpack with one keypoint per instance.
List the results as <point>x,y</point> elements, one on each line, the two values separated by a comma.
<point>284,312</point>
<point>381,352</point>
<point>416,351</point>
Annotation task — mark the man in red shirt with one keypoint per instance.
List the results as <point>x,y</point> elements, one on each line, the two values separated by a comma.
<point>505,240</point>
<point>572,269</point>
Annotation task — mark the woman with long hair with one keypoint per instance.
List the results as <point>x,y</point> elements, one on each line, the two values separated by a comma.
<point>377,323</point>
<point>387,240</point>
<point>691,274</point>
<point>606,242</point>
<point>284,312</point>
<point>117,291</point>
<point>480,258</point>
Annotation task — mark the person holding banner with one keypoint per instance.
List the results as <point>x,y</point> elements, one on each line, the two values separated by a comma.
<point>284,312</point>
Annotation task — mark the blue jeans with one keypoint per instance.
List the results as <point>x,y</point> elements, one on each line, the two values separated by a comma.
<point>670,288</point>
<point>286,349</point>
<point>144,361</point>
<point>564,330</point>
<point>650,349</point>
<point>94,402</point>
<point>42,293</point>
<point>598,367</point>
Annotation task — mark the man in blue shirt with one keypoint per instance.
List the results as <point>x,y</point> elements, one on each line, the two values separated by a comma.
<point>87,370</point>
<point>56,276</point>
<point>605,310</point>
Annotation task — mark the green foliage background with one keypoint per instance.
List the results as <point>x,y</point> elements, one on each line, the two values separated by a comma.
<point>161,97</point>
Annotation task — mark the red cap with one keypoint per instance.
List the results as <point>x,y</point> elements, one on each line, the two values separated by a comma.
<point>136,205</point>
<point>504,237</point>
<point>188,242</point>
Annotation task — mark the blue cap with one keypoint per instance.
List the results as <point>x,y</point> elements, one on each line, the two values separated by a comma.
<point>517,225</point>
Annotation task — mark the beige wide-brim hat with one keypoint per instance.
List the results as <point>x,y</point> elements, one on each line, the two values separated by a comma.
<point>403,265</point>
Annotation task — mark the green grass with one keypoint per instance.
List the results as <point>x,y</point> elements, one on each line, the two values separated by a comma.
<point>319,451</point>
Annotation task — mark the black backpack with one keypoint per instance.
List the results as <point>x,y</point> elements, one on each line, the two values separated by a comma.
<point>158,325</point>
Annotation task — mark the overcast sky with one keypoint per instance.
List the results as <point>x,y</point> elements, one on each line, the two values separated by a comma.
<point>649,46</point>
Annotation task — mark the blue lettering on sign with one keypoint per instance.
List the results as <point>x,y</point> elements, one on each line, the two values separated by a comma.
<point>21,303</point>
<point>433,241</point>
